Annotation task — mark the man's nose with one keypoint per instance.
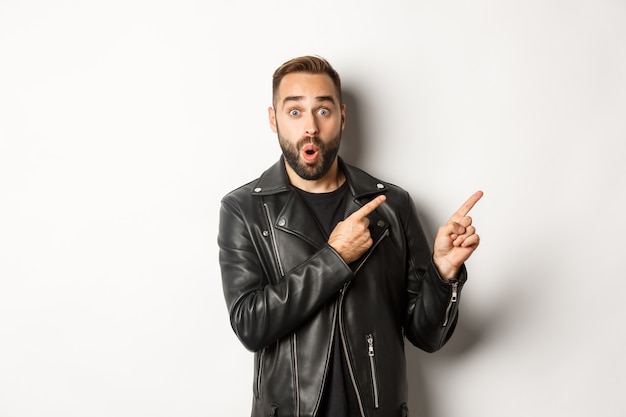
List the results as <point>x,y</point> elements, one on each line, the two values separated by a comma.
<point>311,125</point>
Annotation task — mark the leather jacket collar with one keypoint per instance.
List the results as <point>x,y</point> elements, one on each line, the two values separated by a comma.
<point>275,180</point>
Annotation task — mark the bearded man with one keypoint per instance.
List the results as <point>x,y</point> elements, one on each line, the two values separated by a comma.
<point>326,269</point>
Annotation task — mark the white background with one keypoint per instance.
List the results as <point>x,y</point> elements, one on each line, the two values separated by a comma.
<point>123,123</point>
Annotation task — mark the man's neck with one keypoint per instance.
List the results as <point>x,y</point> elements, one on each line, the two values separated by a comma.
<point>331,181</point>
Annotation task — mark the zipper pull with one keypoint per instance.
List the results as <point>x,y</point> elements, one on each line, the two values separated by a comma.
<point>453,298</point>
<point>370,345</point>
<point>454,292</point>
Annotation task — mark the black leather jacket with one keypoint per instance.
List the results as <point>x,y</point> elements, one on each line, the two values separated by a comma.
<point>281,281</point>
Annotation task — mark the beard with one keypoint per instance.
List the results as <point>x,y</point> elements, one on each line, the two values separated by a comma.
<point>310,171</point>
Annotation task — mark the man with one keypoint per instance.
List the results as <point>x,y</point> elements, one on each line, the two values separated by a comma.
<point>326,269</point>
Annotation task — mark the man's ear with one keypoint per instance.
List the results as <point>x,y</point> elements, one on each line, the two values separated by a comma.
<point>271,114</point>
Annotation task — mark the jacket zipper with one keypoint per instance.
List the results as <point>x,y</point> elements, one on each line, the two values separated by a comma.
<point>453,299</point>
<point>370,352</point>
<point>273,238</point>
<point>345,351</point>
<point>343,338</point>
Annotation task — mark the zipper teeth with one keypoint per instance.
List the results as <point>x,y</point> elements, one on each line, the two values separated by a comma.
<point>453,298</point>
<point>273,237</point>
<point>371,353</point>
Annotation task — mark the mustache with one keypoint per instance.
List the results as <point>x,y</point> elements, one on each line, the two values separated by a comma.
<point>315,140</point>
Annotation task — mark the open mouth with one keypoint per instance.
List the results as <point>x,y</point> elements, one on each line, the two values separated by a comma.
<point>310,152</point>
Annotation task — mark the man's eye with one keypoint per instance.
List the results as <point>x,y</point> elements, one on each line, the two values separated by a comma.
<point>324,112</point>
<point>294,112</point>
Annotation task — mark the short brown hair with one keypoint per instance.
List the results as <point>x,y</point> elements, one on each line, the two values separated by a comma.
<point>309,64</point>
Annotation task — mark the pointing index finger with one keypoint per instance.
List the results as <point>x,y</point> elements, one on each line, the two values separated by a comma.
<point>467,206</point>
<point>369,207</point>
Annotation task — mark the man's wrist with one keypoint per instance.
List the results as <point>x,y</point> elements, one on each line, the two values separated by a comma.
<point>445,270</point>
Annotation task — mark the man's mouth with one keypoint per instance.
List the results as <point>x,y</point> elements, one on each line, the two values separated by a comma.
<point>310,152</point>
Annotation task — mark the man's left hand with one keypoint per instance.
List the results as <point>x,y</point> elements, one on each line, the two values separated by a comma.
<point>456,240</point>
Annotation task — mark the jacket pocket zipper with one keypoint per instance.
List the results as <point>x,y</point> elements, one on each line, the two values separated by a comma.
<point>453,298</point>
<point>371,354</point>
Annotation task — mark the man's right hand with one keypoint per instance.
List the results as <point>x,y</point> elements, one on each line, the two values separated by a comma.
<point>351,237</point>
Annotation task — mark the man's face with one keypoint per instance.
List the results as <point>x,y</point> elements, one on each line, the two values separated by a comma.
<point>308,118</point>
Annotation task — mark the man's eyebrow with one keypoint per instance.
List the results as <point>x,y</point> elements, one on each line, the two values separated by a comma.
<point>300,98</point>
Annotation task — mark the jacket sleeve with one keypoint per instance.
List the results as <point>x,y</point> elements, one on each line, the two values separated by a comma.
<point>432,311</point>
<point>262,310</point>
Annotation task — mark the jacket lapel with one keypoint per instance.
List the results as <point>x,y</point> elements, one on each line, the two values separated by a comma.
<point>293,216</point>
<point>378,226</point>
<point>364,188</point>
<point>296,218</point>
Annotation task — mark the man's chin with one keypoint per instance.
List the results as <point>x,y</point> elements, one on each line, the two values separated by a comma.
<point>309,172</point>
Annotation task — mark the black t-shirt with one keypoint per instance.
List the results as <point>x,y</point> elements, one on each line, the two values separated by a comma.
<point>338,399</point>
